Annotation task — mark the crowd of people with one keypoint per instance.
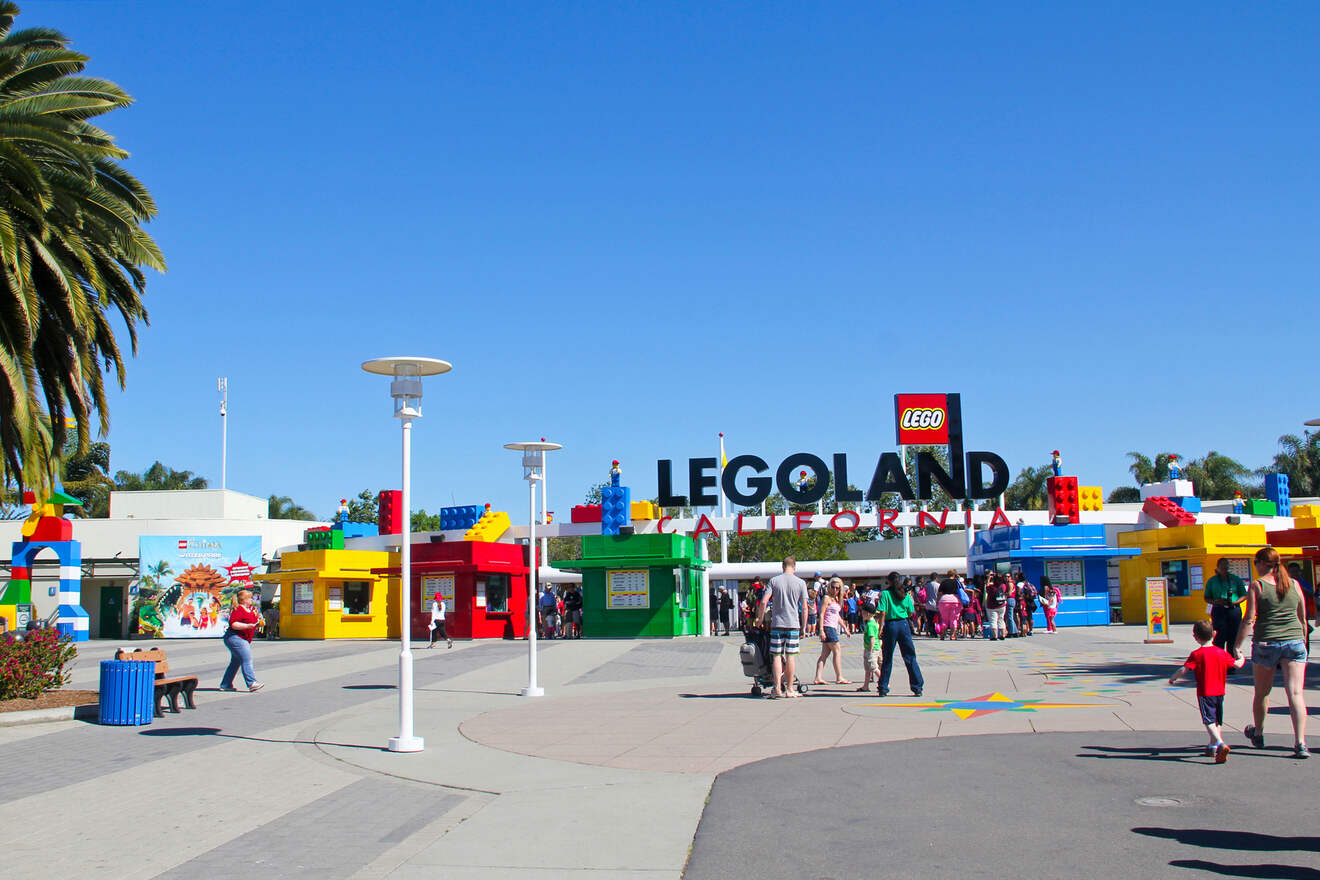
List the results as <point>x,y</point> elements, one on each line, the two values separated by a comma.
<point>559,612</point>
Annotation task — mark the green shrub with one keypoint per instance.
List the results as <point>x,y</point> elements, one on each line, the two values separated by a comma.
<point>35,663</point>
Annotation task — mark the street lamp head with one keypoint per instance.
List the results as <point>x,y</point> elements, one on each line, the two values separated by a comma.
<point>533,459</point>
<point>1312,423</point>
<point>406,389</point>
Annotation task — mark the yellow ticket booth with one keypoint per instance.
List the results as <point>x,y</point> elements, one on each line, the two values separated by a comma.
<point>1186,557</point>
<point>333,594</point>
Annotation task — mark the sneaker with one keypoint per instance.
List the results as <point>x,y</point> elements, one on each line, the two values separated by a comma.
<point>1221,753</point>
<point>916,692</point>
<point>1301,751</point>
<point>1208,751</point>
<point>229,689</point>
<point>882,693</point>
<point>254,687</point>
<point>1257,738</point>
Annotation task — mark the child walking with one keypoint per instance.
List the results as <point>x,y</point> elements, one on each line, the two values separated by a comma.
<point>870,632</point>
<point>1210,666</point>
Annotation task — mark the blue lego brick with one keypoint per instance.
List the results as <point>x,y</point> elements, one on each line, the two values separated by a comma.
<point>1189,503</point>
<point>1277,490</point>
<point>615,509</point>
<point>460,518</point>
<point>357,529</point>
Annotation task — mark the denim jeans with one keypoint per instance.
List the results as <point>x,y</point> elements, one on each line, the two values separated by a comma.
<point>900,632</point>
<point>1011,616</point>
<point>240,655</point>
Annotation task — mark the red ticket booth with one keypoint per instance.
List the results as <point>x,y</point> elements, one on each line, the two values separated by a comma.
<point>484,585</point>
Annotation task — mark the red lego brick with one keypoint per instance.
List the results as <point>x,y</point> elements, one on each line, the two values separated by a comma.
<point>1063,497</point>
<point>1167,512</point>
<point>585,513</point>
<point>52,528</point>
<point>389,517</point>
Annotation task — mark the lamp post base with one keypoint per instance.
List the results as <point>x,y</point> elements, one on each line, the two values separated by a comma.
<point>533,691</point>
<point>406,743</point>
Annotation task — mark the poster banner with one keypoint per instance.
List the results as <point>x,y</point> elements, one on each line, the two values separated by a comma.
<point>1157,611</point>
<point>186,583</point>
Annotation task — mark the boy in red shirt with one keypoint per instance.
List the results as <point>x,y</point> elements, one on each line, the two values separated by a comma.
<point>1210,665</point>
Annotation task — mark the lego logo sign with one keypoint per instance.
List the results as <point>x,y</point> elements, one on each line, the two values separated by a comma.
<point>922,419</point>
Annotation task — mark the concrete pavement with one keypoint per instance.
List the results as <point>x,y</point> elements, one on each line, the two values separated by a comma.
<point>609,772</point>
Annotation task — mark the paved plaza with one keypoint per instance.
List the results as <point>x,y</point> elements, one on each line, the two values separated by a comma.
<point>1054,756</point>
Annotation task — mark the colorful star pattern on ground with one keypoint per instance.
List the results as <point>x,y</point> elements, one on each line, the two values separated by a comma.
<point>985,705</point>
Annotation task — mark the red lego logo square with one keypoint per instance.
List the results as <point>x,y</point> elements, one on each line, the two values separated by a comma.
<point>922,419</point>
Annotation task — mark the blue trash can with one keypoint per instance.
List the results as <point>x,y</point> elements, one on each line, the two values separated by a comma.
<point>128,691</point>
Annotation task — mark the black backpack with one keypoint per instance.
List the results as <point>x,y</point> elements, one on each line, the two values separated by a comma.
<point>994,595</point>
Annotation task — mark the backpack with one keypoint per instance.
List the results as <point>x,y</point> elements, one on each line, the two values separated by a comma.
<point>1028,592</point>
<point>994,595</point>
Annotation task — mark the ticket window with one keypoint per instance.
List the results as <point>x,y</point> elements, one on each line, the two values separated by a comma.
<point>356,598</point>
<point>1176,575</point>
<point>497,592</point>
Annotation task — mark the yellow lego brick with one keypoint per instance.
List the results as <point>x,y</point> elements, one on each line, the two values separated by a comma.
<point>1307,511</point>
<point>645,510</point>
<point>1306,522</point>
<point>489,528</point>
<point>1090,498</point>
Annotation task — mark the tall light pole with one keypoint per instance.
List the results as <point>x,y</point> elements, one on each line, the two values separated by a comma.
<point>222,385</point>
<point>533,462</point>
<point>406,389</point>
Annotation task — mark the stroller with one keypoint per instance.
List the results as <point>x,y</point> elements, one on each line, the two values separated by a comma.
<point>755,657</point>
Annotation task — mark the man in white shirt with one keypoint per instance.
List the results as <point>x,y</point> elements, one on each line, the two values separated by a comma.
<point>438,621</point>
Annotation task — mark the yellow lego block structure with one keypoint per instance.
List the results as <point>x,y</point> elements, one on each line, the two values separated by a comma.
<point>1310,511</point>
<point>10,614</point>
<point>490,527</point>
<point>1186,556</point>
<point>1090,498</point>
<point>645,510</point>
<point>336,594</point>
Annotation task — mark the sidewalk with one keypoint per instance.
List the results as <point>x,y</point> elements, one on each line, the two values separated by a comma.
<point>609,772</point>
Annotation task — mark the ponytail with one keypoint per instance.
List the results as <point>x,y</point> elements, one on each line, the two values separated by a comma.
<point>1269,558</point>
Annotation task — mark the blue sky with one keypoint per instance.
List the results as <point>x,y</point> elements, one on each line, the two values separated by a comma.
<point>633,225</point>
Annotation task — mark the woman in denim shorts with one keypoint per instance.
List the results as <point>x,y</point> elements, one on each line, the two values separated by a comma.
<point>1276,619</point>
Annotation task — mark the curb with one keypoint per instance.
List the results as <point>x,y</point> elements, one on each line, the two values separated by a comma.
<point>89,712</point>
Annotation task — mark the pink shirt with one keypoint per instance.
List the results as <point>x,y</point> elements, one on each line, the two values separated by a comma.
<point>831,615</point>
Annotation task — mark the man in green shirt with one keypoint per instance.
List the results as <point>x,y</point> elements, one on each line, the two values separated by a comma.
<point>1224,593</point>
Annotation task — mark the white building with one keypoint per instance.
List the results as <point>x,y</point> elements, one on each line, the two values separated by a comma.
<point>110,546</point>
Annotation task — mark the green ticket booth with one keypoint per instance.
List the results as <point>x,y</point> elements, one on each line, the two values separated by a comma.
<point>639,585</point>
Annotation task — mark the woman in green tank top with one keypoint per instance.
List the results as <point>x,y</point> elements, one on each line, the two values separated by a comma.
<point>1280,635</point>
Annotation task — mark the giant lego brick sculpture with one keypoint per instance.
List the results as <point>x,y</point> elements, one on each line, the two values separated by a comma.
<point>1064,498</point>
<point>1276,490</point>
<point>1090,498</point>
<point>615,504</point>
<point>389,518</point>
<point>46,529</point>
<point>1167,512</point>
<point>463,517</point>
<point>489,527</point>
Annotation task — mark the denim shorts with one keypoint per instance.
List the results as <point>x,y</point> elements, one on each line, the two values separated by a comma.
<point>1271,654</point>
<point>831,635</point>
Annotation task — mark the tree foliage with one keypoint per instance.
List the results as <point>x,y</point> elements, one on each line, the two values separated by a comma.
<point>283,507</point>
<point>1299,458</point>
<point>1028,489</point>
<point>72,251</point>
<point>365,508</point>
<point>85,476</point>
<point>158,478</point>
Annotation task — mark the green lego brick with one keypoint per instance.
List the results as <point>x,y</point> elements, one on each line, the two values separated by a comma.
<point>1261,507</point>
<point>17,592</point>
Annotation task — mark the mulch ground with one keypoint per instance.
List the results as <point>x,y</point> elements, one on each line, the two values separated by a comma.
<point>51,700</point>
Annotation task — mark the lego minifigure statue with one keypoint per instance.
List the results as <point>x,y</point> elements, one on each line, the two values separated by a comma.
<point>1057,463</point>
<point>614,472</point>
<point>802,481</point>
<point>341,515</point>
<point>1238,505</point>
<point>1175,472</point>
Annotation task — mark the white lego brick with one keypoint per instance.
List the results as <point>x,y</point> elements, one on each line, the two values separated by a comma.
<point>1168,489</point>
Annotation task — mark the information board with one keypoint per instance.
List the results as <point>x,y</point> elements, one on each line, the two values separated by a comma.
<point>442,584</point>
<point>1240,567</point>
<point>334,598</point>
<point>1157,611</point>
<point>302,597</point>
<point>628,588</point>
<point>1066,574</point>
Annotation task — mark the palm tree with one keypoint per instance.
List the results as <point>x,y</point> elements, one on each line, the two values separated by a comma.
<point>1300,460</point>
<point>158,477</point>
<point>72,250</point>
<point>282,507</point>
<point>85,477</point>
<point>1144,470</point>
<point>1218,476</point>
<point>1027,491</point>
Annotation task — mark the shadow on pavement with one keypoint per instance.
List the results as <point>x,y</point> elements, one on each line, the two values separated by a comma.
<point>215,731</point>
<point>1267,872</point>
<point>1184,754</point>
<point>1240,840</point>
<point>370,687</point>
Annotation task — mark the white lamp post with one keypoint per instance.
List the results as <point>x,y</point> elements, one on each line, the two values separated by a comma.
<point>533,462</point>
<point>406,389</point>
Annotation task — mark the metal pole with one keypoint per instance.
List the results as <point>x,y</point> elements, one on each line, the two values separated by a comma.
<point>405,741</point>
<point>532,689</point>
<point>545,539</point>
<point>224,430</point>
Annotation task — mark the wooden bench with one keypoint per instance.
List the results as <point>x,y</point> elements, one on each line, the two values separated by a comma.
<point>165,685</point>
